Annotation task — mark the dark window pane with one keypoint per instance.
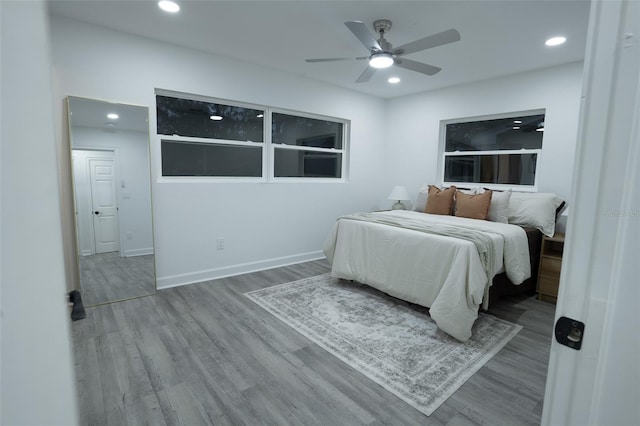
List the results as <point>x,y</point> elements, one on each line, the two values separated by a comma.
<point>204,159</point>
<point>509,169</point>
<point>186,117</point>
<point>302,131</point>
<point>294,163</point>
<point>492,135</point>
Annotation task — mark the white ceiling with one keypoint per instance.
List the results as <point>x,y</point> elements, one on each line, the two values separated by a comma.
<point>497,37</point>
<point>92,113</point>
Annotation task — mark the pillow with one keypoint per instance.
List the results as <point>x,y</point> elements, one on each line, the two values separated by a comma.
<point>535,209</point>
<point>473,206</point>
<point>469,191</point>
<point>499,207</point>
<point>421,199</point>
<point>440,201</point>
<point>423,193</point>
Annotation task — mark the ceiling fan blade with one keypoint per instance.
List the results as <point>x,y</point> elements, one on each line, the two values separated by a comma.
<point>366,75</point>
<point>408,64</point>
<point>359,58</point>
<point>360,30</point>
<point>329,59</point>
<point>435,40</point>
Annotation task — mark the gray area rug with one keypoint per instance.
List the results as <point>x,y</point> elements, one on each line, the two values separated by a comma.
<point>394,343</point>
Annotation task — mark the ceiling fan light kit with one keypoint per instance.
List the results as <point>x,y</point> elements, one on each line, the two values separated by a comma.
<point>383,55</point>
<point>381,60</point>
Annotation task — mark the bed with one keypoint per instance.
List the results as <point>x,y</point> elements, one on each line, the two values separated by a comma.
<point>445,263</point>
<point>460,249</point>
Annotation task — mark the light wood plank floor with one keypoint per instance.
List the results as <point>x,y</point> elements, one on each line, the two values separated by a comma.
<point>107,277</point>
<point>205,354</point>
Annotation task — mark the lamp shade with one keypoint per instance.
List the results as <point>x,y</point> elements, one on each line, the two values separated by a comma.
<point>399,193</point>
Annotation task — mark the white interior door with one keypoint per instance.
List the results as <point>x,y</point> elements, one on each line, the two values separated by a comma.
<point>600,383</point>
<point>105,210</point>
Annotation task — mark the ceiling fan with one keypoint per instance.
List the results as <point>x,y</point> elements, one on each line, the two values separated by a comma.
<point>383,55</point>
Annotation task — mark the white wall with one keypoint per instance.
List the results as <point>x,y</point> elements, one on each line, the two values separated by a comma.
<point>413,129</point>
<point>36,385</point>
<point>392,142</point>
<point>263,224</point>
<point>132,168</point>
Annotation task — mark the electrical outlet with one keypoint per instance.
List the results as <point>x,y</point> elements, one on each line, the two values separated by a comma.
<point>220,244</point>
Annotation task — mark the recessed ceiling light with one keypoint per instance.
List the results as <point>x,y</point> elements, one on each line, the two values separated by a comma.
<point>555,41</point>
<point>259,115</point>
<point>216,117</point>
<point>517,121</point>
<point>113,116</point>
<point>516,127</point>
<point>540,129</point>
<point>169,6</point>
<point>111,124</point>
<point>393,80</point>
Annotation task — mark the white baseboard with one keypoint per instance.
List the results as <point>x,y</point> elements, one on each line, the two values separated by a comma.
<point>239,269</point>
<point>138,252</point>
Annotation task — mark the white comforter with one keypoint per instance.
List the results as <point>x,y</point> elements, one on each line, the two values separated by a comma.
<point>439,272</point>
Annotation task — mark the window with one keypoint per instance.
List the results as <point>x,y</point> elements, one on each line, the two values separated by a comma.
<point>306,147</point>
<point>208,159</point>
<point>227,140</point>
<point>187,117</point>
<point>498,151</point>
<point>203,138</point>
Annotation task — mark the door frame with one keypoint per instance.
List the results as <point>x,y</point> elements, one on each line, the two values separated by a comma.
<point>116,160</point>
<point>599,268</point>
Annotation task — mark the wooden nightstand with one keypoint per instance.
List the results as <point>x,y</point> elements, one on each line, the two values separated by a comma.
<point>550,265</point>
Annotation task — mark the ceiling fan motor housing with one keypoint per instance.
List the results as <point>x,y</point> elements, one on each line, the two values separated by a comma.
<point>382,26</point>
<point>385,45</point>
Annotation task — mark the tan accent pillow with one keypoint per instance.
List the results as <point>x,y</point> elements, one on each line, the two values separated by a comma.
<point>473,206</point>
<point>440,201</point>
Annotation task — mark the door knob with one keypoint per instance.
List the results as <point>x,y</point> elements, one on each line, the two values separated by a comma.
<point>97,212</point>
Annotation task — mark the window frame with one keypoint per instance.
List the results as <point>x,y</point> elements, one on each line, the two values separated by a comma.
<point>267,145</point>
<point>442,154</point>
<point>344,151</point>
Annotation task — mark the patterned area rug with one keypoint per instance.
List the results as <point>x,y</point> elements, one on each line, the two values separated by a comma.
<point>394,343</point>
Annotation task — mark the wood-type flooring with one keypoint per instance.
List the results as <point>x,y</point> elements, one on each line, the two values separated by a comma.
<point>107,277</point>
<point>205,354</point>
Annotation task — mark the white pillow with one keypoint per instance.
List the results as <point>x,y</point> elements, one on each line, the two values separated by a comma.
<point>534,209</point>
<point>471,191</point>
<point>499,207</point>
<point>421,199</point>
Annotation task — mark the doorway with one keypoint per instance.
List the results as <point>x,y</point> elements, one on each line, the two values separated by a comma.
<point>94,181</point>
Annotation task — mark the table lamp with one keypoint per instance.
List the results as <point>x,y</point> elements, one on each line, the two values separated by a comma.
<point>398,194</point>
